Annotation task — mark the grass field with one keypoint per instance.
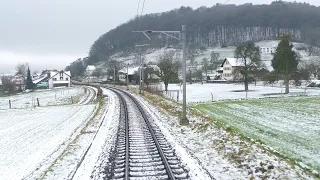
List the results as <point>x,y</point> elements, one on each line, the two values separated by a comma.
<point>291,126</point>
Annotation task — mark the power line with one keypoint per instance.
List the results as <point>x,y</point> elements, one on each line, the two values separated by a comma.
<point>138,8</point>
<point>142,7</point>
<point>139,20</point>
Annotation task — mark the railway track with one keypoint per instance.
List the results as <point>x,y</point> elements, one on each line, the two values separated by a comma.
<point>141,150</point>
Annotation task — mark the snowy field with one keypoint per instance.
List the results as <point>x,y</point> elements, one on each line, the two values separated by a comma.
<point>289,125</point>
<point>218,92</point>
<point>29,137</point>
<point>46,97</point>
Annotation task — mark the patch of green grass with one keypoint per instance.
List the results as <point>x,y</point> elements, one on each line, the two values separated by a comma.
<point>270,121</point>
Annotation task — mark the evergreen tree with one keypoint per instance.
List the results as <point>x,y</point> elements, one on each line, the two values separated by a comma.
<point>285,61</point>
<point>30,84</point>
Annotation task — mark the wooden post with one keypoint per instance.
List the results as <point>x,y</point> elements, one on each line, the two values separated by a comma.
<point>9,104</point>
<point>38,102</point>
<point>211,96</point>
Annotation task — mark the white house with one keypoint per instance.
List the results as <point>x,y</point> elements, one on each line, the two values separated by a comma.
<point>59,79</point>
<point>131,72</point>
<point>89,70</point>
<point>229,66</point>
<point>268,50</point>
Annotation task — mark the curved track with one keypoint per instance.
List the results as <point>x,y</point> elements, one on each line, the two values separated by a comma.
<point>141,150</point>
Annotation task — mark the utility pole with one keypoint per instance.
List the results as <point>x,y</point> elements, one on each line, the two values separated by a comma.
<point>140,73</point>
<point>184,66</point>
<point>114,76</point>
<point>183,34</point>
<point>127,76</point>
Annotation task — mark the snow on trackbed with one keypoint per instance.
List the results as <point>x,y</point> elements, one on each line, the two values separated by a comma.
<point>98,154</point>
<point>29,136</point>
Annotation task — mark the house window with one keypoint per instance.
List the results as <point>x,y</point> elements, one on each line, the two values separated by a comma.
<point>61,78</point>
<point>54,79</point>
<point>67,79</point>
<point>267,49</point>
<point>61,74</point>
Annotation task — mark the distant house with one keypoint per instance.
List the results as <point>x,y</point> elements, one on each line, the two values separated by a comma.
<point>268,50</point>
<point>89,70</point>
<point>20,81</point>
<point>133,73</point>
<point>52,79</point>
<point>229,66</point>
<point>59,79</point>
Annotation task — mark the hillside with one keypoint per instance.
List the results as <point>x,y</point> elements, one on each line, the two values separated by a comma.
<point>219,25</point>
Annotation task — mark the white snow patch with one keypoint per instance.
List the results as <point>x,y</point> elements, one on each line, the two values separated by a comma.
<point>29,137</point>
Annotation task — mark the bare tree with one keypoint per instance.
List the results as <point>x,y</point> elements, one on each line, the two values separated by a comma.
<point>249,54</point>
<point>312,66</point>
<point>22,69</point>
<point>214,59</point>
<point>205,65</point>
<point>203,49</point>
<point>7,84</point>
<point>169,66</point>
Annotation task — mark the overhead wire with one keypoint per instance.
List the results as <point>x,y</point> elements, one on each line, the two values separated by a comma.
<point>138,8</point>
<point>141,13</point>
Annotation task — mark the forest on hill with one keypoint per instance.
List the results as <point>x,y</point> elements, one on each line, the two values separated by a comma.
<point>219,25</point>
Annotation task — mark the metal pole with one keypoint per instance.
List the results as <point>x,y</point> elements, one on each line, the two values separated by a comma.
<point>127,76</point>
<point>114,76</point>
<point>184,47</point>
<point>140,72</point>
<point>142,83</point>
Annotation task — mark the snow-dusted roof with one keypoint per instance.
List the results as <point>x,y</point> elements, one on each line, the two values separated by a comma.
<point>233,62</point>
<point>39,79</point>
<point>90,68</point>
<point>131,70</point>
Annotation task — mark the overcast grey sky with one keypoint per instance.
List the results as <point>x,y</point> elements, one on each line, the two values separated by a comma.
<point>52,33</point>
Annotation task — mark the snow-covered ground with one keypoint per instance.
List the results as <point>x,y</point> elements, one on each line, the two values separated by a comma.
<point>290,126</point>
<point>46,97</point>
<point>217,92</point>
<point>30,136</point>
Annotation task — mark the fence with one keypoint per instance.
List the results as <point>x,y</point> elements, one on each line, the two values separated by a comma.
<point>158,89</point>
<point>42,98</point>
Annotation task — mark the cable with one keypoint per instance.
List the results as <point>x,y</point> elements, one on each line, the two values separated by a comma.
<point>139,20</point>
<point>138,8</point>
<point>142,7</point>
